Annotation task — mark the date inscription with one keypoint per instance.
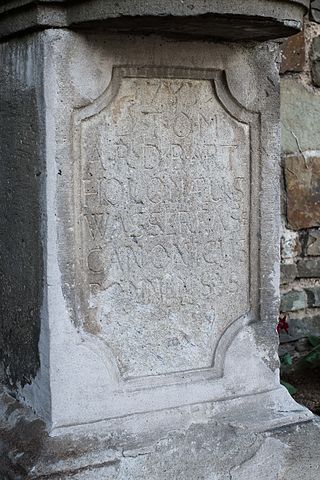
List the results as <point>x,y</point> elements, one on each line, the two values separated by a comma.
<point>164,188</point>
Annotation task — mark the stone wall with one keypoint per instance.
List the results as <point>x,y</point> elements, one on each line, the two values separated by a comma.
<point>300,240</point>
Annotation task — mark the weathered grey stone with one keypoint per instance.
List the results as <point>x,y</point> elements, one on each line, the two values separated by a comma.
<point>304,326</point>
<point>313,243</point>
<point>302,345</point>
<point>286,347</point>
<point>313,294</point>
<point>153,286</point>
<point>308,268</point>
<point>163,252</point>
<point>300,110</point>
<point>315,10</point>
<point>241,20</point>
<point>288,273</point>
<point>302,179</point>
<point>246,440</point>
<point>290,244</point>
<point>315,61</point>
<point>21,195</point>
<point>160,233</point>
<point>293,300</point>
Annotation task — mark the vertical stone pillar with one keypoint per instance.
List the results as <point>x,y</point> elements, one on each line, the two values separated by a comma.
<point>140,152</point>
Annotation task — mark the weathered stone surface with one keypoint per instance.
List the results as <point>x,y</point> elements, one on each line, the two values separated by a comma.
<point>313,243</point>
<point>304,326</point>
<point>300,111</point>
<point>308,268</point>
<point>147,185</point>
<point>158,349</point>
<point>315,61</point>
<point>293,54</point>
<point>208,445</point>
<point>288,273</point>
<point>301,461</point>
<point>241,20</point>
<point>21,194</point>
<point>313,294</point>
<point>293,300</point>
<point>151,288</point>
<point>315,10</point>
<point>290,244</point>
<point>161,201</point>
<point>302,182</point>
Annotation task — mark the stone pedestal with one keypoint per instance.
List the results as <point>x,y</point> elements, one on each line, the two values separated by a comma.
<point>140,212</point>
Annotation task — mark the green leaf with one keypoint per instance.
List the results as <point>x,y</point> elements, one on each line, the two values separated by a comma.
<point>286,359</point>
<point>291,389</point>
<point>315,341</point>
<point>312,357</point>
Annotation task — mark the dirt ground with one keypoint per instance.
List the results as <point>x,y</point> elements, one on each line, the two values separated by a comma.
<point>307,381</point>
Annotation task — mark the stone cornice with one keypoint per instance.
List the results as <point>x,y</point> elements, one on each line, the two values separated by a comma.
<point>239,20</point>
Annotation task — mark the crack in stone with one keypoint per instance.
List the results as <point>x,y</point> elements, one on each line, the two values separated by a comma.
<point>78,470</point>
<point>298,145</point>
<point>231,477</point>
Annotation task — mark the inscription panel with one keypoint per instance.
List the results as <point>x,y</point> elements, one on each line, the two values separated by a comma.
<point>164,185</point>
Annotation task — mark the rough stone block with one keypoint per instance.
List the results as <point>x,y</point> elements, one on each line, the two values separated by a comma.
<point>315,10</point>
<point>313,294</point>
<point>290,244</point>
<point>313,243</point>
<point>158,219</point>
<point>304,326</point>
<point>159,174</point>
<point>293,54</point>
<point>293,300</point>
<point>315,61</point>
<point>302,181</point>
<point>308,268</point>
<point>288,273</point>
<point>300,112</point>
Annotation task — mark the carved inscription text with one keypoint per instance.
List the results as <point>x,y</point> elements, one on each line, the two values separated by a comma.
<point>165,204</point>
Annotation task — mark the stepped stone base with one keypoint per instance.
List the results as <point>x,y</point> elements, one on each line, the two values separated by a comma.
<point>240,439</point>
